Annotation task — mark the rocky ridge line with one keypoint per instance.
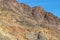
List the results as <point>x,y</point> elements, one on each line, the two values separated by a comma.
<point>21,22</point>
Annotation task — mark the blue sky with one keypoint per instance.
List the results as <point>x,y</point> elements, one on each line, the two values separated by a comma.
<point>52,6</point>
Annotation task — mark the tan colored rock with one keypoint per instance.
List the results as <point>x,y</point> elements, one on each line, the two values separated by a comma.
<point>20,22</point>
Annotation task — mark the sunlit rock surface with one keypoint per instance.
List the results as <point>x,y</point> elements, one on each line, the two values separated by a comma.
<point>20,22</point>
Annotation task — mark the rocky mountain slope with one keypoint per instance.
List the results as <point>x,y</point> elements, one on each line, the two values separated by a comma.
<point>20,22</point>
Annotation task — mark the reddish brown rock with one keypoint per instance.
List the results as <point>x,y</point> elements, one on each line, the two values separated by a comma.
<point>21,22</point>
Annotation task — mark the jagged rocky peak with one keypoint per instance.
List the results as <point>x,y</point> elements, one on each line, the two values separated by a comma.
<point>37,8</point>
<point>21,22</point>
<point>36,12</point>
<point>25,7</point>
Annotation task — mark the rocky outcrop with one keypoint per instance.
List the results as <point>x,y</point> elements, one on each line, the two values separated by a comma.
<point>21,22</point>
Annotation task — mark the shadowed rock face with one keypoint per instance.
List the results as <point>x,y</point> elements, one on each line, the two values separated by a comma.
<point>20,22</point>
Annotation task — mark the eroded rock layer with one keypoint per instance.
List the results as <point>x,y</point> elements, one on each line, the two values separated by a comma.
<point>20,22</point>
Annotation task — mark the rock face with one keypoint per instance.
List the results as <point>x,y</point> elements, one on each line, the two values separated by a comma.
<point>20,22</point>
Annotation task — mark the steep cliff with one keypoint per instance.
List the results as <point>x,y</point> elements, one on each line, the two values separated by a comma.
<point>20,22</point>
